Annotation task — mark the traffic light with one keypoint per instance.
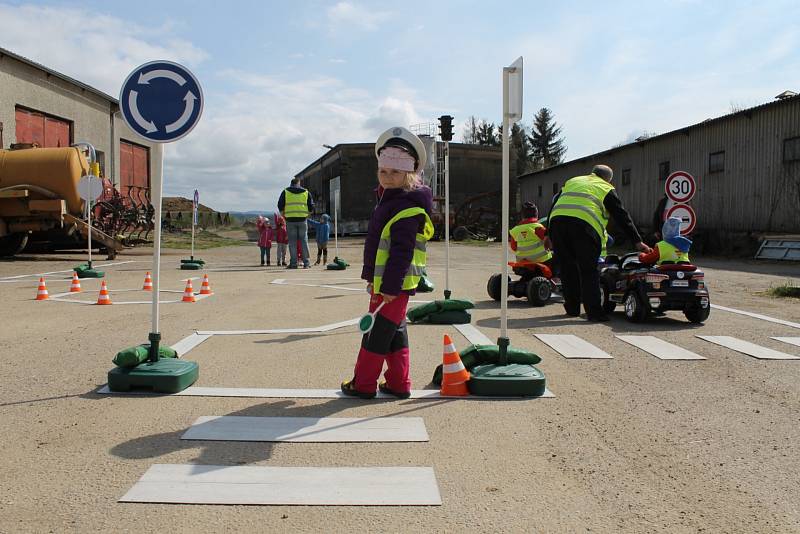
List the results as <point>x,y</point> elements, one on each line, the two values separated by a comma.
<point>446,127</point>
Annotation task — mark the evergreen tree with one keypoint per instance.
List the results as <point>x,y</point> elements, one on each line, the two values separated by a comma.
<point>548,146</point>
<point>487,135</point>
<point>470,133</point>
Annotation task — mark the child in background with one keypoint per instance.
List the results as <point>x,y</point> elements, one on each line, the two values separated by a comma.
<point>264,237</point>
<point>394,257</point>
<point>282,238</point>
<point>323,231</point>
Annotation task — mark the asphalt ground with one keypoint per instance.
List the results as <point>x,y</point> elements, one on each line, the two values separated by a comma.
<point>631,444</point>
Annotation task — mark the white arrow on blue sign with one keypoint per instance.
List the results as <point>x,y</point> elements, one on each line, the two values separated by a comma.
<point>161,101</point>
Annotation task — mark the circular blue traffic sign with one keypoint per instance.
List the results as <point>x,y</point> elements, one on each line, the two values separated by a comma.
<point>161,101</point>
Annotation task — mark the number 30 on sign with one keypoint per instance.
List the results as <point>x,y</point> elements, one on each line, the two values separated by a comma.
<point>680,187</point>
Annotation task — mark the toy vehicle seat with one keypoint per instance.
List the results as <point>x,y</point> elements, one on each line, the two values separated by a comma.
<point>612,259</point>
<point>527,267</point>
<point>682,266</point>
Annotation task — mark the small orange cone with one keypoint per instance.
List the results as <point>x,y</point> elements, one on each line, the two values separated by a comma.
<point>75,287</point>
<point>205,289</point>
<point>188,293</point>
<point>42,294</point>
<point>454,374</point>
<point>148,282</point>
<point>103,297</point>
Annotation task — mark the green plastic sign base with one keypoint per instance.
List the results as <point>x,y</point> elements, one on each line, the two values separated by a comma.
<point>163,376</point>
<point>512,380</point>
<point>85,272</point>
<point>195,260</point>
<point>191,266</point>
<point>449,317</point>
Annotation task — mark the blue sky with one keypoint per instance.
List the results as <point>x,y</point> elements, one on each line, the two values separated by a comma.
<point>282,78</point>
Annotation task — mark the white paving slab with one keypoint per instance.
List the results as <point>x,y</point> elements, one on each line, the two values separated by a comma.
<point>317,486</point>
<point>267,393</point>
<point>751,349</point>
<point>473,335</point>
<point>756,316</point>
<point>189,342</point>
<point>790,340</point>
<point>570,346</point>
<point>307,429</point>
<point>660,348</point>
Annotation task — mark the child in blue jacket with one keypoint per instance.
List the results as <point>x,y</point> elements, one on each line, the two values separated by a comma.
<point>323,228</point>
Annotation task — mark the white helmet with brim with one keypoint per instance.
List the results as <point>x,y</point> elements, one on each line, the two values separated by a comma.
<point>399,137</point>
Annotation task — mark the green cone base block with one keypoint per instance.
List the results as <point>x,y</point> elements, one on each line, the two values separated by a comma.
<point>163,376</point>
<point>196,260</point>
<point>512,380</point>
<point>476,355</point>
<point>190,266</point>
<point>441,309</point>
<point>133,356</point>
<point>85,272</point>
<point>449,317</point>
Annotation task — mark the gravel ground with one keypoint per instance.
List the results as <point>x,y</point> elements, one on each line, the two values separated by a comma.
<point>632,444</point>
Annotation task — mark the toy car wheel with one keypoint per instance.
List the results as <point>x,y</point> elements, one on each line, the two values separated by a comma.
<point>696,313</point>
<point>635,308</point>
<point>495,286</point>
<point>605,298</point>
<point>13,244</point>
<point>538,291</point>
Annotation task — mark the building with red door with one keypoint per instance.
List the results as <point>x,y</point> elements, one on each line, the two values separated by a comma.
<point>39,105</point>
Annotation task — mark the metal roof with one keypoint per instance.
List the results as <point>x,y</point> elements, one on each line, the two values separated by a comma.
<point>73,81</point>
<point>745,112</point>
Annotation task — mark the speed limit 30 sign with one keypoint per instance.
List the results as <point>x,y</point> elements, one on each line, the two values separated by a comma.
<point>680,187</point>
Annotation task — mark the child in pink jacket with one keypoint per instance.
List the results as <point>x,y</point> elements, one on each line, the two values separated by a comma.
<point>265,236</point>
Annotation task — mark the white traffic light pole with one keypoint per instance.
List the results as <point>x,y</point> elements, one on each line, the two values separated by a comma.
<point>447,292</point>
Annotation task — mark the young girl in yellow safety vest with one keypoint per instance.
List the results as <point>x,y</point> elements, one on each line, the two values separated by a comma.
<point>394,257</point>
<point>673,248</point>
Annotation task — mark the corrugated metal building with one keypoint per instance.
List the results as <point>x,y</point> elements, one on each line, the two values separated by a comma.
<point>352,169</point>
<point>746,164</point>
<point>40,105</point>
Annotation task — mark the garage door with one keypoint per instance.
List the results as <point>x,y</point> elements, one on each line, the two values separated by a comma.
<point>134,168</point>
<point>46,130</point>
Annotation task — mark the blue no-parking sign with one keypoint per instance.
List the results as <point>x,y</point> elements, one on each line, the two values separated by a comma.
<point>161,101</point>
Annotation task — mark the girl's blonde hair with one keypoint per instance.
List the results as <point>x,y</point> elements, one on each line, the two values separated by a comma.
<point>411,181</point>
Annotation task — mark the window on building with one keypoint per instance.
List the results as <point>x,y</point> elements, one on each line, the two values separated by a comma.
<point>663,170</point>
<point>626,177</point>
<point>791,149</point>
<point>45,130</point>
<point>716,162</point>
<point>555,188</point>
<point>134,169</point>
<point>540,191</point>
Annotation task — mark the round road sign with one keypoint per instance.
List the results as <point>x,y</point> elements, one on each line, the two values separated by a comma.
<point>680,186</point>
<point>90,187</point>
<point>686,214</point>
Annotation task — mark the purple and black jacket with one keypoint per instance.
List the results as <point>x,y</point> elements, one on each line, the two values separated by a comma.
<point>403,238</point>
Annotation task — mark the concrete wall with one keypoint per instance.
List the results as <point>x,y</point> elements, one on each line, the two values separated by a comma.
<point>22,84</point>
<point>756,192</point>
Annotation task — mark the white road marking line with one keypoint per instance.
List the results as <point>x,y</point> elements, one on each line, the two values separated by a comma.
<point>756,316</point>
<point>188,343</point>
<point>473,335</point>
<point>570,346</point>
<point>311,330</point>
<point>751,349</point>
<point>790,340</point>
<point>267,393</point>
<point>19,277</point>
<point>307,429</point>
<point>283,282</point>
<point>660,349</point>
<point>62,297</point>
<point>321,486</point>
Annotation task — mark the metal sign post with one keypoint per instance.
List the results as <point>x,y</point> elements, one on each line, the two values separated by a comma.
<point>162,102</point>
<point>336,222</point>
<point>195,202</point>
<point>512,112</point>
<point>446,133</point>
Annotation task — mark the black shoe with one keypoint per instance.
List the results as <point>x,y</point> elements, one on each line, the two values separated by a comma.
<point>262,263</point>
<point>350,390</point>
<point>400,395</point>
<point>572,311</point>
<point>291,266</point>
<point>268,264</point>
<point>599,318</point>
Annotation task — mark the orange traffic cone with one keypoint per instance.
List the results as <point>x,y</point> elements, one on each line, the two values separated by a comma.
<point>148,282</point>
<point>188,293</point>
<point>454,374</point>
<point>75,287</point>
<point>42,294</point>
<point>205,289</point>
<point>103,297</point>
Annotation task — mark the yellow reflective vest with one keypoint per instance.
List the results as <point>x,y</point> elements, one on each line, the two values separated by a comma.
<point>415,270</point>
<point>529,246</point>
<point>296,204</point>
<point>582,198</point>
<point>670,253</point>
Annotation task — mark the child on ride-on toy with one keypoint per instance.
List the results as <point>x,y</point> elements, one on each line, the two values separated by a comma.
<point>527,239</point>
<point>673,248</point>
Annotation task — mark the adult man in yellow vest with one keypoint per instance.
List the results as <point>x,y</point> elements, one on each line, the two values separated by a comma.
<point>578,223</point>
<point>295,204</point>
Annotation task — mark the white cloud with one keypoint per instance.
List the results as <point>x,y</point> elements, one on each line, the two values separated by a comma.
<point>96,49</point>
<point>347,15</point>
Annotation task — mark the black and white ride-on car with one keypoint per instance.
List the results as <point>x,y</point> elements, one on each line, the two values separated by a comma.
<point>646,290</point>
<point>535,283</point>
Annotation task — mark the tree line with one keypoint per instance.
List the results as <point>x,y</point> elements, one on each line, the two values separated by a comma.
<point>533,149</point>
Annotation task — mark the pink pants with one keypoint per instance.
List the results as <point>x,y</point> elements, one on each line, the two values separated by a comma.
<point>387,341</point>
